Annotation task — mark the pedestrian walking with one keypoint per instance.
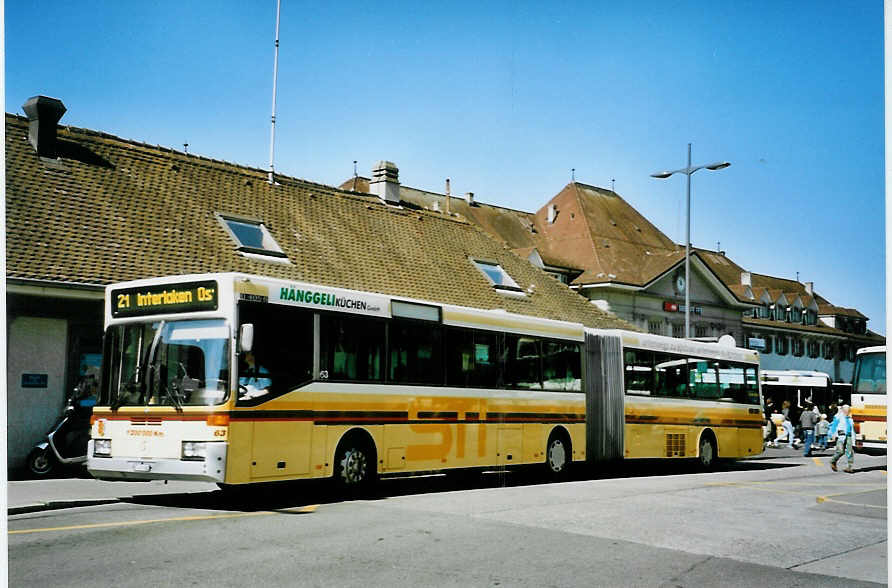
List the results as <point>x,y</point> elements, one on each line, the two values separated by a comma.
<point>807,421</point>
<point>843,428</point>
<point>821,429</point>
<point>787,425</point>
<point>772,428</point>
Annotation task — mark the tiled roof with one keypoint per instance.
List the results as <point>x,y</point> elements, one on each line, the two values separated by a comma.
<point>123,210</point>
<point>829,309</point>
<point>594,231</point>
<point>819,329</point>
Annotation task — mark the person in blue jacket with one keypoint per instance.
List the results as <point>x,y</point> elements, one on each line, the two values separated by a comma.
<point>843,428</point>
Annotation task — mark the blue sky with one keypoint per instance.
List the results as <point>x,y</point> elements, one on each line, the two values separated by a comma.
<point>506,98</point>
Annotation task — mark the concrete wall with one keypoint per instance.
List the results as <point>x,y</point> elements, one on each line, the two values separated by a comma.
<point>35,346</point>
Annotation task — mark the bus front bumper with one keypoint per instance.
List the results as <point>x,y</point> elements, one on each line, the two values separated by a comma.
<point>211,469</point>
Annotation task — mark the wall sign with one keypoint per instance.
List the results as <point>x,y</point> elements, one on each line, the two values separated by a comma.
<point>676,307</point>
<point>35,380</point>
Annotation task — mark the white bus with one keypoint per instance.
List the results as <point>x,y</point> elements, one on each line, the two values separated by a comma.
<point>236,379</point>
<point>869,398</point>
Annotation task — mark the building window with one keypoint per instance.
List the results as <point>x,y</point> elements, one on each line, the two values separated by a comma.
<point>851,353</point>
<point>814,348</point>
<point>700,330</point>
<point>798,347</point>
<point>497,276</point>
<point>655,327</point>
<point>828,349</point>
<point>782,345</point>
<point>252,236</point>
<point>841,351</point>
<point>678,330</point>
<point>768,340</point>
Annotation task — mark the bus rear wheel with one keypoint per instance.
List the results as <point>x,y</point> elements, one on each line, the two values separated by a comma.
<point>557,456</point>
<point>708,454</point>
<point>355,467</point>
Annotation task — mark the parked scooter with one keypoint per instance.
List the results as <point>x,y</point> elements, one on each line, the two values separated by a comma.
<point>66,442</point>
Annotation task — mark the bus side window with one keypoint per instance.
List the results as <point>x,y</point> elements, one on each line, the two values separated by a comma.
<point>522,362</point>
<point>639,368</point>
<point>416,353</point>
<point>282,354</point>
<point>472,358</point>
<point>352,348</point>
<point>671,375</point>
<point>561,366</point>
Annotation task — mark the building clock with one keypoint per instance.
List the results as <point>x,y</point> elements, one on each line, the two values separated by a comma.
<point>679,282</point>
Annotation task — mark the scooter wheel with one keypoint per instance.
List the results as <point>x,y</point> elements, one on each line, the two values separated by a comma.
<point>39,462</point>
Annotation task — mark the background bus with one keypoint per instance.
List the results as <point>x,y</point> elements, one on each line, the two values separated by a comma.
<point>869,398</point>
<point>239,379</point>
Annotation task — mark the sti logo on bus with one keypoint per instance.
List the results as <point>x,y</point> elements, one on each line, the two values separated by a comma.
<point>165,298</point>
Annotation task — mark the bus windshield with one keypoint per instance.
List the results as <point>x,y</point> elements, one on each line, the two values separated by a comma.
<point>870,374</point>
<point>176,363</point>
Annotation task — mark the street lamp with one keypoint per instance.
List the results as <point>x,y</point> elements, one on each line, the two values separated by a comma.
<point>688,171</point>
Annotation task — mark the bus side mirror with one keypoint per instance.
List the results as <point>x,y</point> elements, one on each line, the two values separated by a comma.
<point>246,337</point>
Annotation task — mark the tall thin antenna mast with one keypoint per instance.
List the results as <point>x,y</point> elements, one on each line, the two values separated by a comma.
<point>272,129</point>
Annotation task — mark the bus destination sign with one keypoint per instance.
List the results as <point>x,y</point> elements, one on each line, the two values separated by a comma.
<point>164,298</point>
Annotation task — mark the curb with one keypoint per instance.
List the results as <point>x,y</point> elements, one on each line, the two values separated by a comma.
<point>59,504</point>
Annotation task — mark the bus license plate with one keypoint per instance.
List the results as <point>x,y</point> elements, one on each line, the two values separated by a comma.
<point>142,467</point>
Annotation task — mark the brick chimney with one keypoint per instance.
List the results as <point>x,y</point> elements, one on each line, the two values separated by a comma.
<point>810,288</point>
<point>43,116</point>
<point>385,182</point>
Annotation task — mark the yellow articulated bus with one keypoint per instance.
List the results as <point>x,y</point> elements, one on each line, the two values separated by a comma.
<point>236,379</point>
<point>869,398</point>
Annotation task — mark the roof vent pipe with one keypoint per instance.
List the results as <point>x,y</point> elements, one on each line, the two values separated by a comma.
<point>385,183</point>
<point>448,198</point>
<point>44,114</point>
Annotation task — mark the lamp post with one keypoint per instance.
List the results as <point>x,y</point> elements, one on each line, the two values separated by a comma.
<point>689,171</point>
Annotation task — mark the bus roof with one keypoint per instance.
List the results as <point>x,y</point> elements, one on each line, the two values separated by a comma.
<point>675,345</point>
<point>877,349</point>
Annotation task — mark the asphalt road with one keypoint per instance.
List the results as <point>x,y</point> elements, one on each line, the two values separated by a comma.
<point>782,521</point>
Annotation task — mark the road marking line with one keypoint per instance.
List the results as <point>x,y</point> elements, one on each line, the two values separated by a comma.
<point>821,499</point>
<point>298,509</point>
<point>817,461</point>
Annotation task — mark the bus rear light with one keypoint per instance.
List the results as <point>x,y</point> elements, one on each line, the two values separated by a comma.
<point>218,420</point>
<point>101,447</point>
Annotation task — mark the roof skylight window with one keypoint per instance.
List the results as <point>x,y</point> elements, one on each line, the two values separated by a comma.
<point>252,237</point>
<point>497,276</point>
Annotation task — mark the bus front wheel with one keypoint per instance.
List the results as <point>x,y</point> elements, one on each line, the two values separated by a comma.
<point>708,454</point>
<point>355,466</point>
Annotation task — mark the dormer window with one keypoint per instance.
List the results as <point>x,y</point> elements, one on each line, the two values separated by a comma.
<point>252,237</point>
<point>497,276</point>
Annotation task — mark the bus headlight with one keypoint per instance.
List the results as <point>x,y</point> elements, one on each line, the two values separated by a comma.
<point>194,450</point>
<point>101,447</point>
